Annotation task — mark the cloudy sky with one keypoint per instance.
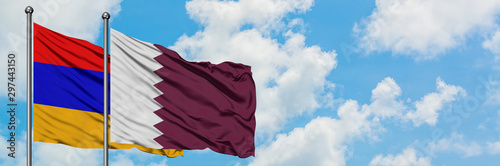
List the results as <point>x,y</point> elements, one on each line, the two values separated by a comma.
<point>359,82</point>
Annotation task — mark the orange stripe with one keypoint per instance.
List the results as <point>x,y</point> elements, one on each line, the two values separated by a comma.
<point>81,129</point>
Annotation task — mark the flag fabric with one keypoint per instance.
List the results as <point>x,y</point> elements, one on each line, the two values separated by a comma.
<point>160,100</point>
<point>68,93</point>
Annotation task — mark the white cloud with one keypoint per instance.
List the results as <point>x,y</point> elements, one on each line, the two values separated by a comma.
<point>265,15</point>
<point>425,27</point>
<point>384,99</point>
<point>320,142</point>
<point>122,160</point>
<point>330,137</point>
<point>493,44</point>
<point>493,147</point>
<point>456,144</point>
<point>81,19</point>
<point>59,154</point>
<point>60,16</point>
<point>289,76</point>
<point>427,108</point>
<point>131,157</point>
<point>407,158</point>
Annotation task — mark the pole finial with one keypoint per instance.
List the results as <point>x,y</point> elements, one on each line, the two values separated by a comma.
<point>28,9</point>
<point>105,15</point>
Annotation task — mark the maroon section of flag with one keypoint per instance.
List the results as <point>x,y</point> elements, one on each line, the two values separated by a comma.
<point>206,105</point>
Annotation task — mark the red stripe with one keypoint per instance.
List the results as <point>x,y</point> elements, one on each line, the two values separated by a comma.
<point>57,49</point>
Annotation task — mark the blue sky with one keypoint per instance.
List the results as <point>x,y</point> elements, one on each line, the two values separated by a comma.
<point>361,82</point>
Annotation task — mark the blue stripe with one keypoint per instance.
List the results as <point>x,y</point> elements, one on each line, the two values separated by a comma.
<point>68,87</point>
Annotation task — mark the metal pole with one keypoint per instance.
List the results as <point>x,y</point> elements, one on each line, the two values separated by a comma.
<point>105,17</point>
<point>29,84</point>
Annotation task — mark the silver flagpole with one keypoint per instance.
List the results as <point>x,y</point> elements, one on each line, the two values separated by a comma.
<point>29,84</point>
<point>105,17</point>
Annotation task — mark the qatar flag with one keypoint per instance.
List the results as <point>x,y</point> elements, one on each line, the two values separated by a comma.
<point>159,100</point>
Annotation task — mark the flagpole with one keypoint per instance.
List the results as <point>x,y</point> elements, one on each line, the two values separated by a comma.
<point>105,17</point>
<point>29,84</point>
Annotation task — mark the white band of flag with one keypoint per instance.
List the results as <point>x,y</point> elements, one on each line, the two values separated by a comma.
<point>132,91</point>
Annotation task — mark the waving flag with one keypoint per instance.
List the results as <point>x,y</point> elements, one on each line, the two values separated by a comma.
<point>160,100</point>
<point>68,93</point>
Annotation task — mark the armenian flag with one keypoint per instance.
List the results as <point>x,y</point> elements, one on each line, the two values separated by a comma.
<point>68,93</point>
